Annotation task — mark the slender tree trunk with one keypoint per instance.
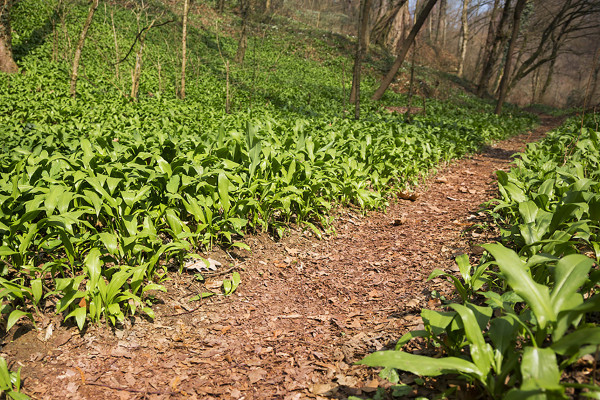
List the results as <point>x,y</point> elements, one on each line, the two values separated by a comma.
<point>464,36</point>
<point>186,7</point>
<point>221,6</point>
<point>137,71</point>
<point>548,79</point>
<point>79,48</point>
<point>387,80</point>
<point>7,62</point>
<point>117,57</point>
<point>440,33</point>
<point>361,46</point>
<point>511,47</point>
<point>493,41</point>
<point>243,42</point>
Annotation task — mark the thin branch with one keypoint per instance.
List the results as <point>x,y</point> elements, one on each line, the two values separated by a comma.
<point>147,27</point>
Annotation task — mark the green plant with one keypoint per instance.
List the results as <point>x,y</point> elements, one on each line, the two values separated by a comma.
<point>10,382</point>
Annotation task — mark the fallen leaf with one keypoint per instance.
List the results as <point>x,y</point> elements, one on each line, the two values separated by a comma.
<point>256,375</point>
<point>323,388</point>
<point>292,252</point>
<point>371,386</point>
<point>441,179</point>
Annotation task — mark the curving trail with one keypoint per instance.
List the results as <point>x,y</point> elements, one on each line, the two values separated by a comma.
<point>305,311</point>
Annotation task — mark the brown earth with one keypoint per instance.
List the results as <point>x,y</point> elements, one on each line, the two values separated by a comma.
<point>306,309</point>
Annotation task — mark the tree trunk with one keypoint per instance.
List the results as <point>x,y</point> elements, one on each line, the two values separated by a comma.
<point>112,20</point>
<point>361,46</point>
<point>387,80</point>
<point>221,6</point>
<point>186,7</point>
<point>243,42</point>
<point>382,27</point>
<point>440,33</point>
<point>7,63</point>
<point>493,41</point>
<point>137,70</point>
<point>548,78</point>
<point>511,47</point>
<point>464,36</point>
<point>79,48</point>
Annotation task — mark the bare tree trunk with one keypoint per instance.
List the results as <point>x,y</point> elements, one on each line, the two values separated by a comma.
<point>361,46</point>
<point>137,71</point>
<point>382,27</point>
<point>464,36</point>
<point>186,7</point>
<point>79,47</point>
<point>440,34</point>
<point>493,41</point>
<point>548,78</point>
<point>221,6</point>
<point>387,80</point>
<point>117,57</point>
<point>7,62</point>
<point>592,81</point>
<point>243,42</point>
<point>511,47</point>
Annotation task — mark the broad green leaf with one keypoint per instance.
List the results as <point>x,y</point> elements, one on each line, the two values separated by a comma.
<point>202,295</point>
<point>528,211</point>
<point>481,352</point>
<point>539,369</point>
<point>36,290</point>
<point>464,266</point>
<point>421,365</point>
<point>535,295</point>
<point>438,320</point>
<point>571,343</point>
<point>503,332</point>
<point>223,184</point>
<point>16,315</point>
<point>93,265</point>
<point>109,240</point>
<point>79,314</point>
<point>569,274</point>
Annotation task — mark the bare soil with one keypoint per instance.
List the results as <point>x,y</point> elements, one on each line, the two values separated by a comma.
<point>306,309</point>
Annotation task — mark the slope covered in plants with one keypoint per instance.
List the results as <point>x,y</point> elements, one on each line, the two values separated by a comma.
<point>97,192</point>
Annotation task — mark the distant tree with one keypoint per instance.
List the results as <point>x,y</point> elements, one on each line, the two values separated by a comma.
<point>7,63</point>
<point>464,36</point>
<point>511,47</point>
<point>75,70</point>
<point>492,48</point>
<point>389,77</point>
<point>440,33</point>
<point>383,25</point>
<point>361,47</point>
<point>243,42</point>
<point>551,30</point>
<point>186,8</point>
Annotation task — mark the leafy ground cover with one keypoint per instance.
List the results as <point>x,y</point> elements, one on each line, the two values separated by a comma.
<point>100,192</point>
<point>305,311</point>
<point>519,327</point>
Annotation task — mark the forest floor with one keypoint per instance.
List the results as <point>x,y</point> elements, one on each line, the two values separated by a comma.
<point>305,311</point>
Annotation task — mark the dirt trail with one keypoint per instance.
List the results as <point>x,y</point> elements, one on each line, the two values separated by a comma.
<point>305,311</point>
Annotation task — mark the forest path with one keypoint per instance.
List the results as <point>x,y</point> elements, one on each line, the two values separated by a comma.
<point>306,309</point>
